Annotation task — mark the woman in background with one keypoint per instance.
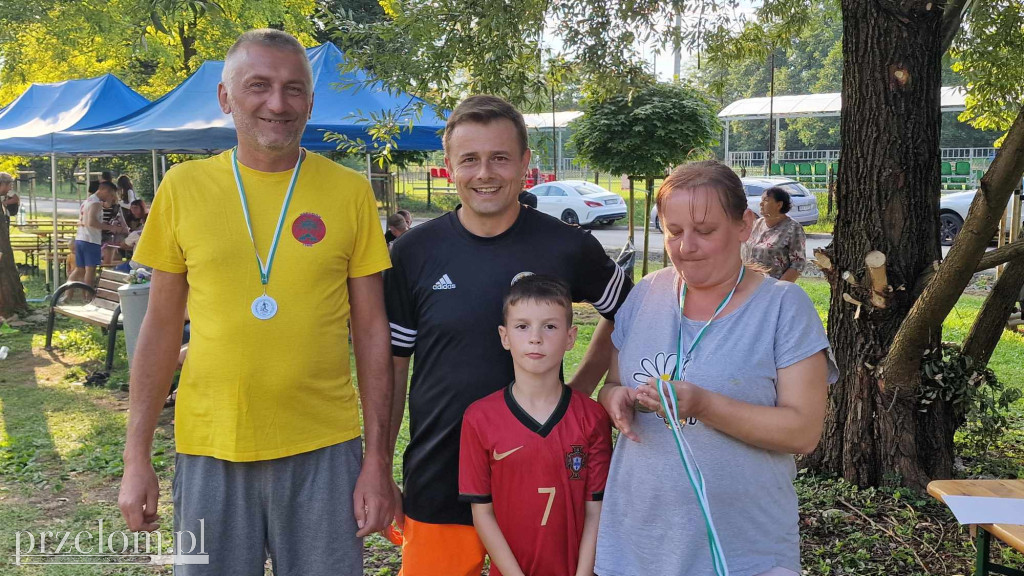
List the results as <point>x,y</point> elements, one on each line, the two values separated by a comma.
<point>777,242</point>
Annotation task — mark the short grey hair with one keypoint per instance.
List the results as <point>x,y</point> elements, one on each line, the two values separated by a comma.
<point>270,38</point>
<point>6,178</point>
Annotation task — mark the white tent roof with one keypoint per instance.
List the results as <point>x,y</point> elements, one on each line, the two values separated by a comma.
<point>562,119</point>
<point>815,105</point>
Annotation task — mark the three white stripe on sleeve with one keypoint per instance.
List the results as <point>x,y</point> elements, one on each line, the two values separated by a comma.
<point>611,292</point>
<point>402,336</point>
<point>406,338</point>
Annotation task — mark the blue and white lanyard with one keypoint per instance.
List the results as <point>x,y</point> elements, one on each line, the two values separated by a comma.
<point>265,268</point>
<point>670,404</point>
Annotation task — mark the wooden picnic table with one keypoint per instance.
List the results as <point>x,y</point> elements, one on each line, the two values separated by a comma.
<point>65,240</point>
<point>31,246</point>
<point>1011,534</point>
<point>46,232</point>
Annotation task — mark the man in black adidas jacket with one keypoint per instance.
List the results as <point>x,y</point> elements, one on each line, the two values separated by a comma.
<point>444,297</point>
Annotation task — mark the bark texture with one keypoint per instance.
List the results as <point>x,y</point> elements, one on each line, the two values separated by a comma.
<point>889,177</point>
<point>12,293</point>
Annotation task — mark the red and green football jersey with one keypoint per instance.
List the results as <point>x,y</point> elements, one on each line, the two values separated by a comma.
<point>538,476</point>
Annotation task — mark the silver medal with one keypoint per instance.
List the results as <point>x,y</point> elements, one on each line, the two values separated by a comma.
<point>264,307</point>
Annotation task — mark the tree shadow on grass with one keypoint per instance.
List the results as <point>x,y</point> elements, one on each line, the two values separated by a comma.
<point>60,449</point>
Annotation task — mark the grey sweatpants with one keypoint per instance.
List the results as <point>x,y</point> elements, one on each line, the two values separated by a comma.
<point>295,510</point>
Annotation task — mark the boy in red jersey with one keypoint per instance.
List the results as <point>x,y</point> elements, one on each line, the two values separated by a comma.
<point>534,456</point>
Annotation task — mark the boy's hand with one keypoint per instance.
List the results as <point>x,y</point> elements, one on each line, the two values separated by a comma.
<point>618,402</point>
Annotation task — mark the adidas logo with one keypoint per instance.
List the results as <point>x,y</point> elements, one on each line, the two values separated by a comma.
<point>444,283</point>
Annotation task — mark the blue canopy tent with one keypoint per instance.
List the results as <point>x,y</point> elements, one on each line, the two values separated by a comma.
<point>189,118</point>
<point>28,125</point>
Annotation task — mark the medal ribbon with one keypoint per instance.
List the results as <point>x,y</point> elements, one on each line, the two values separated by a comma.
<point>265,268</point>
<point>682,361</point>
<point>670,404</point>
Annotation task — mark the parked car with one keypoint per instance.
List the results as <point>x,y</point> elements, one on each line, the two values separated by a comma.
<point>953,209</point>
<point>579,202</point>
<point>805,203</point>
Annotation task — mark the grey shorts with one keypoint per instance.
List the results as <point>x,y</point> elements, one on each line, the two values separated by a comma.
<point>297,511</point>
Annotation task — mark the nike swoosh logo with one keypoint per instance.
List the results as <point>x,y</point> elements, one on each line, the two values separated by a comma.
<point>503,455</point>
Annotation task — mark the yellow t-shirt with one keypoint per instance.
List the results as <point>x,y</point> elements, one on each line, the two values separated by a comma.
<point>262,389</point>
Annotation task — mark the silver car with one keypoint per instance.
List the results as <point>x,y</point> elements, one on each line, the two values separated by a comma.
<point>804,207</point>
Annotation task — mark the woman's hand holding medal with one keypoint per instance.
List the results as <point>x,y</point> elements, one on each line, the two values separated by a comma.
<point>689,398</point>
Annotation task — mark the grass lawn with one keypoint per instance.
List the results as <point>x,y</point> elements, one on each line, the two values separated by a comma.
<point>61,442</point>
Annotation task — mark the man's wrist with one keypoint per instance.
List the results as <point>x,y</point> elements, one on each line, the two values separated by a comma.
<point>378,458</point>
<point>134,458</point>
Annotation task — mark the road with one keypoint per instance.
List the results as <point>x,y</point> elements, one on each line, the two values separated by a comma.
<point>65,208</point>
<point>615,238</point>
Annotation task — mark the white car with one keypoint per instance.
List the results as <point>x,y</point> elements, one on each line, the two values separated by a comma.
<point>579,202</point>
<point>805,204</point>
<point>953,209</point>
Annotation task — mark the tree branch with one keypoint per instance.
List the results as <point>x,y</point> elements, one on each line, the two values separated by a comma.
<point>903,362</point>
<point>952,19</point>
<point>1001,255</point>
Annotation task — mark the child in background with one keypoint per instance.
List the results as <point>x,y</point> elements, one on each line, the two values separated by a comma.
<point>534,456</point>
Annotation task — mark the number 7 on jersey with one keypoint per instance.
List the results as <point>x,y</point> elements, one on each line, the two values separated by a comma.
<point>551,499</point>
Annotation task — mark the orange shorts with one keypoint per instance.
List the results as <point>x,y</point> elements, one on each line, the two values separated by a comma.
<point>441,550</point>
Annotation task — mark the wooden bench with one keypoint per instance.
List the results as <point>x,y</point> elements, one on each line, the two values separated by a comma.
<point>1012,535</point>
<point>104,310</point>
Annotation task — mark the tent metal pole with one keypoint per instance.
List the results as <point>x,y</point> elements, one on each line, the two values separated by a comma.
<point>163,166</point>
<point>55,262</point>
<point>369,167</point>
<point>771,117</point>
<point>88,175</point>
<point>156,178</point>
<point>778,130</point>
<point>728,160</point>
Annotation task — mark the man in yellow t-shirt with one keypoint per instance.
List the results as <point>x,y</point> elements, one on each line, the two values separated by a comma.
<point>275,250</point>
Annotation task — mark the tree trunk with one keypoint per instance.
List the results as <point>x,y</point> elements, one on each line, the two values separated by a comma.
<point>889,178</point>
<point>648,198</point>
<point>188,45</point>
<point>991,320</point>
<point>12,293</point>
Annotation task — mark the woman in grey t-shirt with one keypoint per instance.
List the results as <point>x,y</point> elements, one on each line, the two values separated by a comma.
<point>750,394</point>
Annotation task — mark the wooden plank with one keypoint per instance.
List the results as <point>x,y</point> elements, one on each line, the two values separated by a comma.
<point>104,304</point>
<point>989,488</point>
<point>109,284</point>
<point>108,295</point>
<point>1011,534</point>
<point>110,274</point>
<point>87,313</point>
